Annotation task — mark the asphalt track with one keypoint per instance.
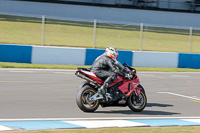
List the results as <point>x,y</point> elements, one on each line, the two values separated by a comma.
<point>51,94</point>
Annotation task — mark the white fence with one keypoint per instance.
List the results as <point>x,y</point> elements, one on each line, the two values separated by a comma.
<point>97,34</point>
<point>143,29</point>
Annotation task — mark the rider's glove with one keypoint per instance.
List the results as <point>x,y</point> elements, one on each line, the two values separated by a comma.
<point>119,72</point>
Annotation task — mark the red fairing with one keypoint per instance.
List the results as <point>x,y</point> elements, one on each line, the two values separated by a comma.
<point>124,87</point>
<point>119,79</point>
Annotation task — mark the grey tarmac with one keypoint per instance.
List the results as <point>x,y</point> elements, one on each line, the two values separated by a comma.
<point>51,93</point>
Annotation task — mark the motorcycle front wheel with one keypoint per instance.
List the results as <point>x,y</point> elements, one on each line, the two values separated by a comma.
<point>83,99</point>
<point>137,104</point>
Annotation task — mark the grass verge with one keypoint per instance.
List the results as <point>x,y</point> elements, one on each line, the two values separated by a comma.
<point>52,66</point>
<point>27,31</point>
<point>191,129</point>
<point>39,66</point>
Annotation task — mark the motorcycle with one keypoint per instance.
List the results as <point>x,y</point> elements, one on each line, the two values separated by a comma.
<point>122,92</point>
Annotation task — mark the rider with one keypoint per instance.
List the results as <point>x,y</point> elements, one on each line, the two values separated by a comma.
<point>104,67</point>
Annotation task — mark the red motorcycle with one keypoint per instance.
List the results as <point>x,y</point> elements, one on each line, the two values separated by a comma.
<point>122,92</point>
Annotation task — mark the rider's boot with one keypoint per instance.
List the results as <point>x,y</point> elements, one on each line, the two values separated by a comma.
<point>103,89</point>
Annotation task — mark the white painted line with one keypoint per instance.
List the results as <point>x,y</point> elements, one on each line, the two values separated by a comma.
<point>192,120</point>
<point>99,118</point>
<point>189,97</point>
<point>106,123</point>
<point>3,128</point>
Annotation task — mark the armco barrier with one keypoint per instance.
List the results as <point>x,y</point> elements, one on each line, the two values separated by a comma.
<point>58,55</point>
<point>15,53</point>
<point>155,59</point>
<point>82,56</point>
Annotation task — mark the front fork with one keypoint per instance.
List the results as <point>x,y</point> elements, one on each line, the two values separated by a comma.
<point>135,90</point>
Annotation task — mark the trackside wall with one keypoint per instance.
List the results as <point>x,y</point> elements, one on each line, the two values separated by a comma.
<point>58,55</point>
<point>15,53</point>
<point>85,56</point>
<point>124,56</point>
<point>189,60</point>
<point>155,59</point>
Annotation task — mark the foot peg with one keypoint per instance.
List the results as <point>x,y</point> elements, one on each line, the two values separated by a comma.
<point>108,95</point>
<point>101,91</point>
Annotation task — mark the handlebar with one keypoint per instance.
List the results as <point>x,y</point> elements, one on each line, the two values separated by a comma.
<point>124,67</point>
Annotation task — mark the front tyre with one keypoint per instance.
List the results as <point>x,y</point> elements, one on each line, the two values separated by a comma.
<point>137,104</point>
<point>83,99</point>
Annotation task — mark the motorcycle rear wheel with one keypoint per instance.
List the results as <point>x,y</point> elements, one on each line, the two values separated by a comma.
<point>83,101</point>
<point>136,104</point>
<point>82,85</point>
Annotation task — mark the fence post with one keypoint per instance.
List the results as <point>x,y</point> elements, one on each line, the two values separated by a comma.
<point>43,23</point>
<point>141,35</point>
<point>169,4</point>
<point>190,40</point>
<point>94,33</point>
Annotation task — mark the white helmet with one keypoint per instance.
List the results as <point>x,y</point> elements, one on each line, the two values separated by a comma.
<point>112,53</point>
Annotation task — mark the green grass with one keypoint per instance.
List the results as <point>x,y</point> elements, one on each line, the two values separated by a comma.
<point>27,31</point>
<point>39,66</point>
<point>125,130</point>
<point>49,66</point>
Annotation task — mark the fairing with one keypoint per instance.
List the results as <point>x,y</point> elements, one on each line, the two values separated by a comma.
<point>124,88</point>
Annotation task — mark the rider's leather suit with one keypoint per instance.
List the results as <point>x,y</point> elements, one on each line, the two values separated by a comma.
<point>105,69</point>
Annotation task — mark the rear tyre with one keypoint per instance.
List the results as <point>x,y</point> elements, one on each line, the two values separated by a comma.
<point>82,85</point>
<point>83,99</point>
<point>137,104</point>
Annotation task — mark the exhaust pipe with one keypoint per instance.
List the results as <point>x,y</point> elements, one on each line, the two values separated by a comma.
<point>81,75</point>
